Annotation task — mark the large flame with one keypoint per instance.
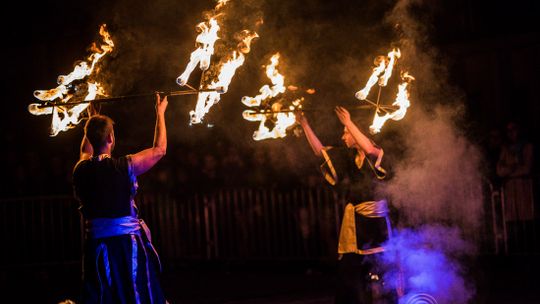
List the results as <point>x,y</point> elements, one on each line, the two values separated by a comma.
<point>382,72</point>
<point>382,64</point>
<point>202,55</point>
<point>72,86</point>
<point>275,123</point>
<point>206,100</point>
<point>266,91</point>
<point>221,74</point>
<point>402,102</point>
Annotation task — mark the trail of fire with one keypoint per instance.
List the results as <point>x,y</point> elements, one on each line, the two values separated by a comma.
<point>73,86</point>
<point>382,72</point>
<point>274,114</point>
<point>225,69</point>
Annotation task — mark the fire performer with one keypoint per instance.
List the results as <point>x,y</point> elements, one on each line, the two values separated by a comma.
<point>365,223</point>
<point>120,265</point>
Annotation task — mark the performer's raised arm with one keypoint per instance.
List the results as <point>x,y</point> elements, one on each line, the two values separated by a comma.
<point>312,138</point>
<point>361,140</point>
<point>86,149</point>
<point>146,159</point>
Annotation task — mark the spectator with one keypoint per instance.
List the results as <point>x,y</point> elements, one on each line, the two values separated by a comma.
<point>515,168</point>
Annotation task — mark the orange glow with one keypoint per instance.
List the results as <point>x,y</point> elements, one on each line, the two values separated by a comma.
<point>382,72</point>
<point>279,121</point>
<point>66,117</point>
<point>219,74</point>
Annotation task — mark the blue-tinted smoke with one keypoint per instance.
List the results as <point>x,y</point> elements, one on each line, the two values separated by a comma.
<point>427,260</point>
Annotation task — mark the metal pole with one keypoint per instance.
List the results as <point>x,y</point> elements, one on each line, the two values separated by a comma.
<point>361,107</point>
<point>118,98</point>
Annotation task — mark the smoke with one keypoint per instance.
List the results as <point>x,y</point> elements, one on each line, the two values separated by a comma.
<point>427,260</point>
<point>436,185</point>
<point>437,176</point>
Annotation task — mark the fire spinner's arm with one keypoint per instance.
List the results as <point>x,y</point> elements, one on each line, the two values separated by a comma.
<point>312,138</point>
<point>362,140</point>
<point>146,159</point>
<point>86,149</point>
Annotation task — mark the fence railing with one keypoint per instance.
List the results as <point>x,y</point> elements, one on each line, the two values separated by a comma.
<point>39,230</point>
<point>245,224</point>
<point>225,224</point>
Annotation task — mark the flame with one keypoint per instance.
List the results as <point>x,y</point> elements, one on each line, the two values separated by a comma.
<point>266,91</point>
<point>221,4</point>
<point>246,37</point>
<point>206,100</point>
<point>202,55</point>
<point>392,57</point>
<point>402,101</point>
<point>230,61</point>
<point>383,64</point>
<point>281,121</point>
<point>65,117</point>
<point>382,72</point>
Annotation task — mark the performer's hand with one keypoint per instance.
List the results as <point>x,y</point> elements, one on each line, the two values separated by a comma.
<point>161,104</point>
<point>343,115</point>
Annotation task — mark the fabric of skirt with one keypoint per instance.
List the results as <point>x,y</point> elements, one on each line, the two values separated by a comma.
<point>121,269</point>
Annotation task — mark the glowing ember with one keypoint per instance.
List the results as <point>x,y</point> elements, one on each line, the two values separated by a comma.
<point>381,74</point>
<point>72,86</point>
<point>275,123</point>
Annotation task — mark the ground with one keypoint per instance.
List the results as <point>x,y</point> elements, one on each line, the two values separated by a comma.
<point>498,279</point>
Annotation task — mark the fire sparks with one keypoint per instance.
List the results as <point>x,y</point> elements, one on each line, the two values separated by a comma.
<point>382,72</point>
<point>73,86</point>
<point>277,120</point>
<point>221,73</point>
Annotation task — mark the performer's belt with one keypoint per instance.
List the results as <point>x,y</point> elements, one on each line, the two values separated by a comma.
<point>347,235</point>
<point>107,227</point>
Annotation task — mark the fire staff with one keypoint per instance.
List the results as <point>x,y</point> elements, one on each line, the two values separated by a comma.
<point>120,264</point>
<point>356,169</point>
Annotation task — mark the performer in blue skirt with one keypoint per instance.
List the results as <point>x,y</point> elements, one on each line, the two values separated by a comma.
<point>120,265</point>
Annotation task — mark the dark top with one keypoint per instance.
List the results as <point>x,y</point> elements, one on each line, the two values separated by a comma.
<point>105,188</point>
<point>344,170</point>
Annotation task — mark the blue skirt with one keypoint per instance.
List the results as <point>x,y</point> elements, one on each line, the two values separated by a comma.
<point>121,269</point>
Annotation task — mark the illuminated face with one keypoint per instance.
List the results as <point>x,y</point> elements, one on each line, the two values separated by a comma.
<point>347,138</point>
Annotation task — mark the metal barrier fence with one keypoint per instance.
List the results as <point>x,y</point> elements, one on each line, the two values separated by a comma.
<point>512,235</point>
<point>245,224</point>
<point>225,224</point>
<point>39,230</point>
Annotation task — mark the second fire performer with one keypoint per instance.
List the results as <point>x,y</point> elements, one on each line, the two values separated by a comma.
<point>365,225</point>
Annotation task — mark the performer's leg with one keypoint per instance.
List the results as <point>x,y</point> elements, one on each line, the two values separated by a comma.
<point>352,280</point>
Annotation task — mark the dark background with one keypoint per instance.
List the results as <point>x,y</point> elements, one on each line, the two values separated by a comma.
<point>487,51</point>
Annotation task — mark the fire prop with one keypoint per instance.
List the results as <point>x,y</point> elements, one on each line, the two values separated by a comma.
<point>72,88</point>
<point>222,72</point>
<point>382,72</point>
<point>271,114</point>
